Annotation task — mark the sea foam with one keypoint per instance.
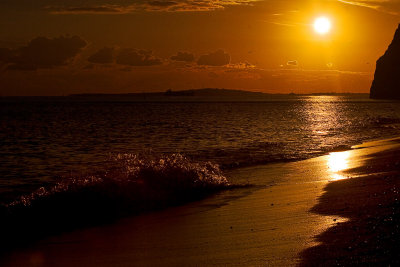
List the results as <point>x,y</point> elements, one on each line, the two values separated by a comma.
<point>128,184</point>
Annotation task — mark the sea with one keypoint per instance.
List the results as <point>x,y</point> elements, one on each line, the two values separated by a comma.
<point>133,151</point>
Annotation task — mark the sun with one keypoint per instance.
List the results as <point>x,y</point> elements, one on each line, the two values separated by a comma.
<point>322,25</point>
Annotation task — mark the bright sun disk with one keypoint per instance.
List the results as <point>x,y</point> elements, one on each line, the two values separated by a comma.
<point>322,25</point>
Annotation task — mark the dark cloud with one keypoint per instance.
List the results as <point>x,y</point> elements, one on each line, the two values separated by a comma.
<point>100,9</point>
<point>26,67</point>
<point>143,5</point>
<point>183,56</point>
<point>6,55</point>
<point>218,58</point>
<point>103,56</point>
<point>135,57</point>
<point>89,67</point>
<point>162,3</point>
<point>42,52</point>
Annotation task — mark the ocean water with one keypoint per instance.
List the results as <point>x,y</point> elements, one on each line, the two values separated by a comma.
<point>50,147</point>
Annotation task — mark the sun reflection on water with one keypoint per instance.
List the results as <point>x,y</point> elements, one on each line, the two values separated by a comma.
<point>338,161</point>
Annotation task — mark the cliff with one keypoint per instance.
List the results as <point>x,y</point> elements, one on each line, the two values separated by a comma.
<point>386,84</point>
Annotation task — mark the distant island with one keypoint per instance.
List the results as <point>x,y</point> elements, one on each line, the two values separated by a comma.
<point>386,84</point>
<point>191,95</point>
<point>204,94</point>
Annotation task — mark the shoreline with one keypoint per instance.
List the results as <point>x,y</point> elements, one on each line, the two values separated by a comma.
<point>254,226</point>
<point>369,200</point>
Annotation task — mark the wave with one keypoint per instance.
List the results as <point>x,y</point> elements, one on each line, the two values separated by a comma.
<point>128,184</point>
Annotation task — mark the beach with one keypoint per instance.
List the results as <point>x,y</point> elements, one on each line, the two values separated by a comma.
<point>199,133</point>
<point>307,214</point>
<point>370,202</point>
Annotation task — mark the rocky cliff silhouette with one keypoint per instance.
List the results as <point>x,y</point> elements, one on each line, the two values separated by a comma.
<point>386,84</point>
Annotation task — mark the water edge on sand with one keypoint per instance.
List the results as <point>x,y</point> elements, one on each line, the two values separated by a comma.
<point>267,224</point>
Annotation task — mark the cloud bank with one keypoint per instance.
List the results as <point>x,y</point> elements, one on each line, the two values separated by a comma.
<point>135,57</point>
<point>218,58</point>
<point>183,56</point>
<point>42,52</point>
<point>150,6</point>
<point>103,56</point>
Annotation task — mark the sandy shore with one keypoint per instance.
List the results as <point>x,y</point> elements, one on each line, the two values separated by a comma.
<point>272,223</point>
<point>370,200</point>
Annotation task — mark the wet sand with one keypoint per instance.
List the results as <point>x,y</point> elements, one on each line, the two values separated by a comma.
<point>370,200</point>
<point>272,223</point>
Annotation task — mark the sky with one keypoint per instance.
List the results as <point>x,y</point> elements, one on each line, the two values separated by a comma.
<point>60,47</point>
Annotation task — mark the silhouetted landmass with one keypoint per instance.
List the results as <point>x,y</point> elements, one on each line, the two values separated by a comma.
<point>386,84</point>
<point>205,94</point>
<point>192,95</point>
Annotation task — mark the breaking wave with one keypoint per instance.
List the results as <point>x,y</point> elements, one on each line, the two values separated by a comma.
<point>128,184</point>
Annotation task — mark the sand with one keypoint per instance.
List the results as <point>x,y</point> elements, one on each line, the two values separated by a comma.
<point>370,200</point>
<point>297,213</point>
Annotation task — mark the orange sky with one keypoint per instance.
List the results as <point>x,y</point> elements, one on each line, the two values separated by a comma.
<point>120,46</point>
